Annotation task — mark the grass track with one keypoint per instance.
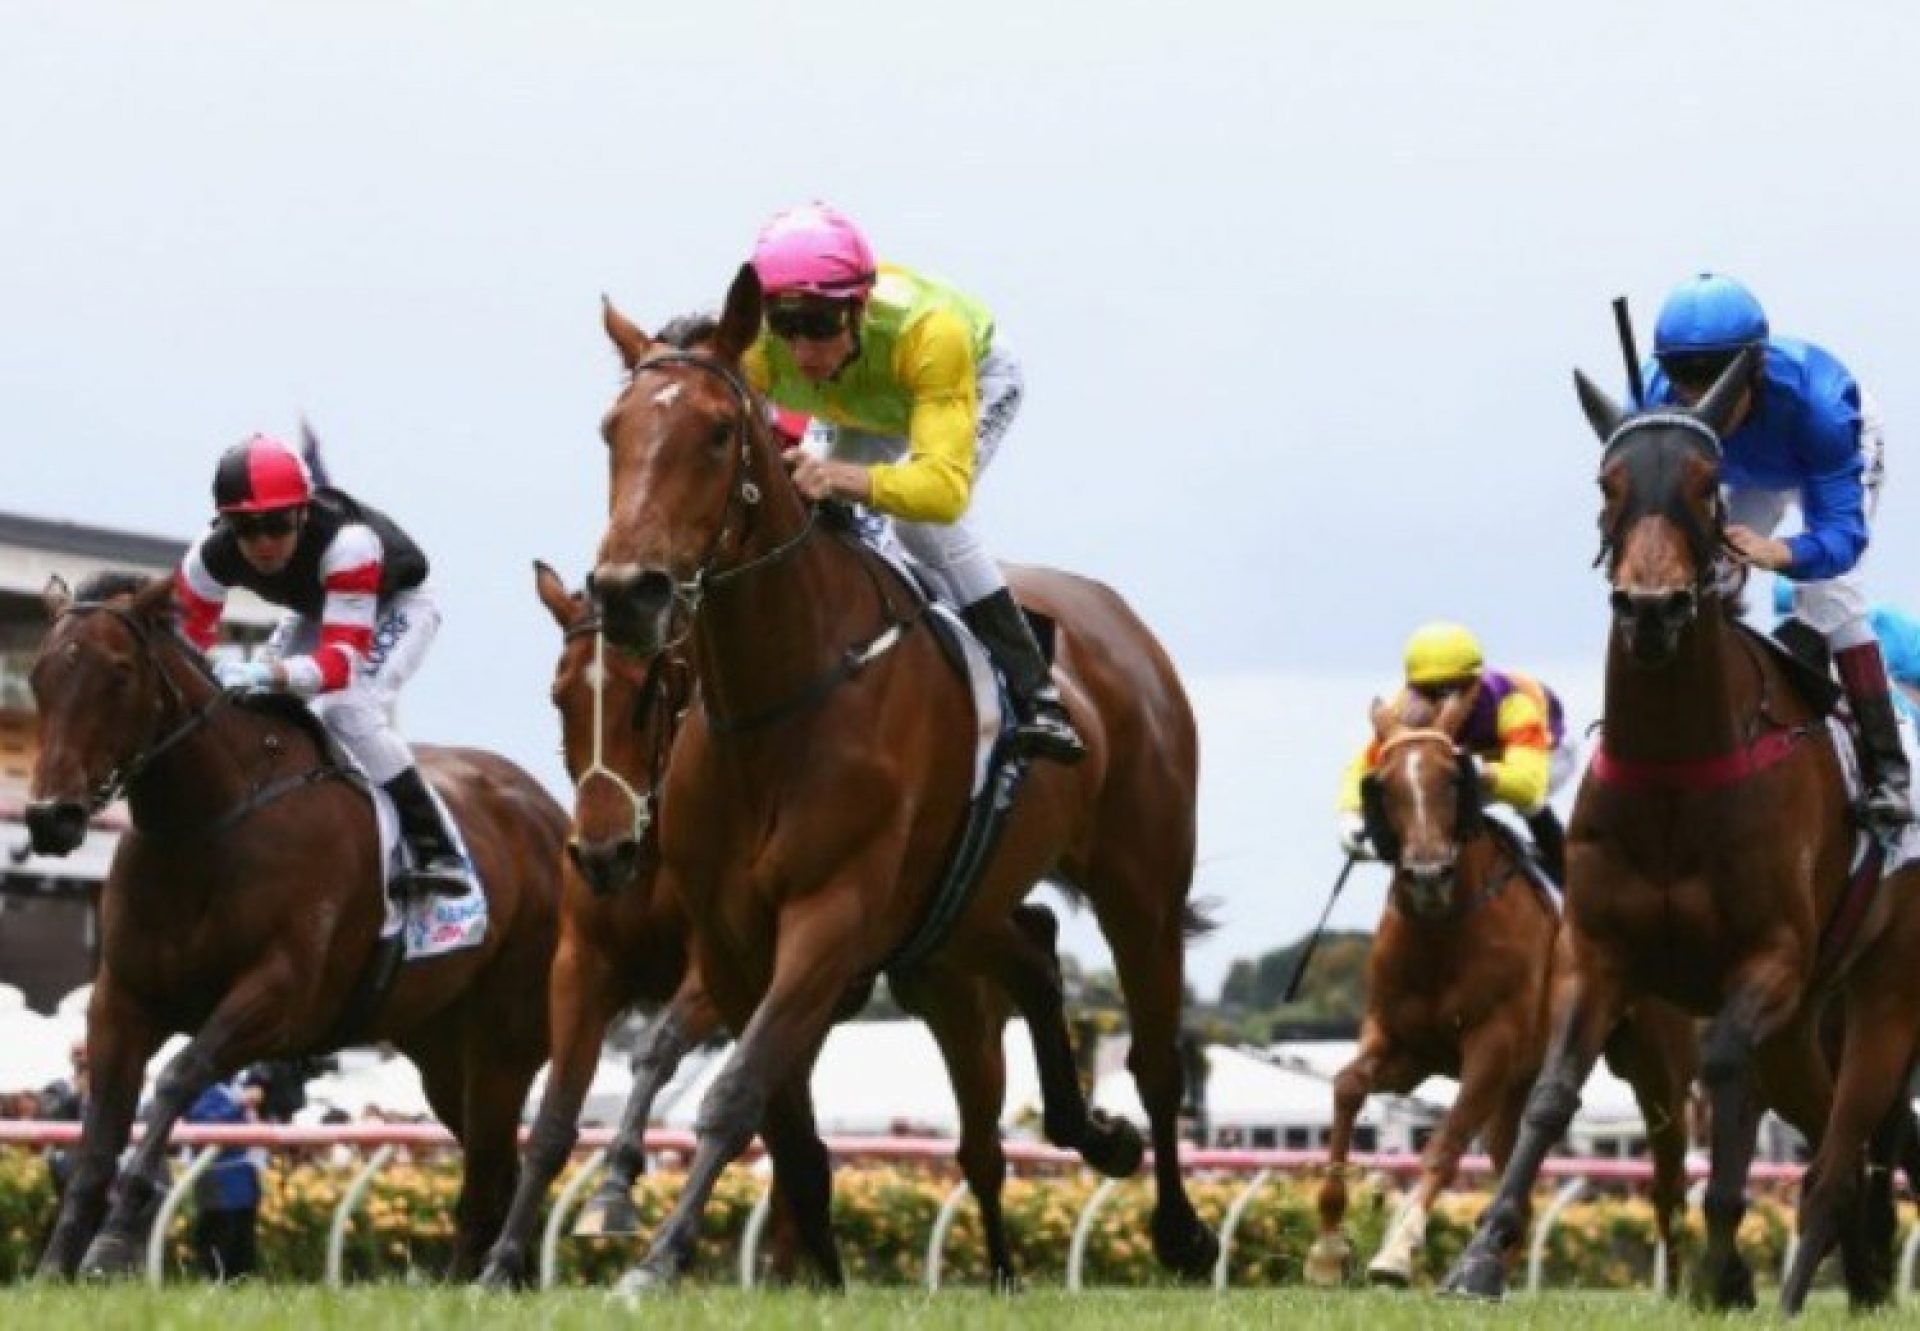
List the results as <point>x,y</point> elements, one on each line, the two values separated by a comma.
<point>304,1308</point>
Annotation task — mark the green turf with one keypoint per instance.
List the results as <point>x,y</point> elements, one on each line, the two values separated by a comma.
<point>366,1309</point>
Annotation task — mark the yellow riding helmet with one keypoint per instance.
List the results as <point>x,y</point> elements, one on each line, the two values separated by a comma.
<point>1442,653</point>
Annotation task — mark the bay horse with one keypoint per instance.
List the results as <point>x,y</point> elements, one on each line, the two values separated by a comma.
<point>244,905</point>
<point>1710,851</point>
<point>624,941</point>
<point>813,796</point>
<point>1466,966</point>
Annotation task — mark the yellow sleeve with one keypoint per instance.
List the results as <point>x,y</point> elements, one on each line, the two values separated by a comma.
<point>935,481</point>
<point>1363,763</point>
<point>1519,775</point>
<point>754,366</point>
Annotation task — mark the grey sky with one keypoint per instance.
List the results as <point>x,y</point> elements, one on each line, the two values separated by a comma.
<point>1297,288</point>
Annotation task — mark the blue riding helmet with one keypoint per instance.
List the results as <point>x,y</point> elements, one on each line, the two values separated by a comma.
<point>1708,313</point>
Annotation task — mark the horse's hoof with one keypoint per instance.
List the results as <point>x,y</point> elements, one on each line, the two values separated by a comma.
<point>502,1275</point>
<point>1477,1275</point>
<point>109,1257</point>
<point>1388,1276</point>
<point>607,1214</point>
<point>1112,1146</point>
<point>1727,1288</point>
<point>1329,1263</point>
<point>643,1282</point>
<point>1186,1247</point>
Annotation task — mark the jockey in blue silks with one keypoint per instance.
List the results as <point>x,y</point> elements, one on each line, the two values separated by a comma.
<point>1802,434</point>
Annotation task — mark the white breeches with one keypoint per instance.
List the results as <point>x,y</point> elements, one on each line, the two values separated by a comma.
<point>361,715</point>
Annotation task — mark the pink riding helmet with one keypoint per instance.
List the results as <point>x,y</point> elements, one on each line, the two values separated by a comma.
<point>813,250</point>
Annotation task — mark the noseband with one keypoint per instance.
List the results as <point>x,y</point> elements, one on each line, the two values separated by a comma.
<point>654,696</point>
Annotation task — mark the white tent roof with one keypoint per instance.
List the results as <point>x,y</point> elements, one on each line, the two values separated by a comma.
<point>606,1095</point>
<point>33,1050</point>
<point>879,1077</point>
<point>1245,1091</point>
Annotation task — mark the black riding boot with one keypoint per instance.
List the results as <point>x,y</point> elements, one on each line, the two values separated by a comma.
<point>1887,806</point>
<point>1550,841</point>
<point>438,868</point>
<point>1044,730</point>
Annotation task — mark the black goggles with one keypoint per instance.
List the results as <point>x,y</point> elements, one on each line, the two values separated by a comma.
<point>807,320</point>
<point>273,523</point>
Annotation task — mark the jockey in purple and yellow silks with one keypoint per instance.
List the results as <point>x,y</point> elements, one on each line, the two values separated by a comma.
<point>1517,729</point>
<point>916,388</point>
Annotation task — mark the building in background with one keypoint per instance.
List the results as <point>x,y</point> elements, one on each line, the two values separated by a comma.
<point>48,907</point>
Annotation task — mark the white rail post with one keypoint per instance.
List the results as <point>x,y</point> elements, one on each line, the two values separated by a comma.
<point>343,1214</point>
<point>1232,1222</point>
<point>163,1218</point>
<point>750,1236</point>
<point>1570,1192</point>
<point>1083,1230</point>
<point>937,1239</point>
<point>1909,1259</point>
<point>562,1211</point>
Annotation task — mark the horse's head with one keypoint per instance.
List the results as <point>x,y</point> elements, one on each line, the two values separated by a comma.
<point>1662,520</point>
<point>1422,801</point>
<point>102,697</point>
<point>691,470</point>
<point>618,715</point>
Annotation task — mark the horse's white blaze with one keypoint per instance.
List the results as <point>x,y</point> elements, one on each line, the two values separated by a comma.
<point>667,396</point>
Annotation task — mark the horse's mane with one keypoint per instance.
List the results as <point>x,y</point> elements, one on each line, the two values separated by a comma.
<point>687,331</point>
<point>106,585</point>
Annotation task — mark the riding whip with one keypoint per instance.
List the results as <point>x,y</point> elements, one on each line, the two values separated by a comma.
<point>1623,324</point>
<point>1313,939</point>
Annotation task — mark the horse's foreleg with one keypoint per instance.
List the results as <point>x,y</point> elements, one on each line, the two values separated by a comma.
<point>1589,1016</point>
<point>584,994</point>
<point>966,1022</point>
<point>1794,1070</point>
<point>812,970</point>
<point>1330,1259</point>
<point>238,1032</point>
<point>120,1040</point>
<point>802,1200</point>
<point>1653,1051</point>
<point>1486,1083</point>
<point>687,1021</point>
<point>1875,1057</point>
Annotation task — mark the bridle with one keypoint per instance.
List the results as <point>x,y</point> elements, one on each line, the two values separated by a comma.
<point>117,781</point>
<point>654,697</point>
<point>1469,817</point>
<point>742,493</point>
<point>1709,546</point>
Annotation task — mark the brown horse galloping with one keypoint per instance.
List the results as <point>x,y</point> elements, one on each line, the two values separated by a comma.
<point>1466,966</point>
<point>244,906</point>
<point>813,798</point>
<point>623,941</point>
<point>1709,852</point>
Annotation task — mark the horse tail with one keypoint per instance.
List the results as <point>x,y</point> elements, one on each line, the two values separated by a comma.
<point>1199,918</point>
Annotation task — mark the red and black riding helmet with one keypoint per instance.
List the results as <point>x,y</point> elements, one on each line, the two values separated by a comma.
<point>258,475</point>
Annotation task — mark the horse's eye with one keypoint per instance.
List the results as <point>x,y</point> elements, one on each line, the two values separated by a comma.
<point>720,435</point>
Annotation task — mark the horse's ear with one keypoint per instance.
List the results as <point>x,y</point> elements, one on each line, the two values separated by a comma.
<point>55,596</point>
<point>1603,413</point>
<point>1385,721</point>
<point>1453,712</point>
<point>740,321</point>
<point>554,595</point>
<point>627,337</point>
<point>1715,410</point>
<point>155,600</point>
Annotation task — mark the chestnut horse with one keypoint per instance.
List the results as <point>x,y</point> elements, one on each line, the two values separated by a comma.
<point>623,941</point>
<point>814,795</point>
<point>1709,851</point>
<point>1465,969</point>
<point>244,905</point>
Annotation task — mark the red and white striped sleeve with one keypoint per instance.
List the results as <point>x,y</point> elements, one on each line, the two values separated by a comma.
<point>200,597</point>
<point>350,575</point>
